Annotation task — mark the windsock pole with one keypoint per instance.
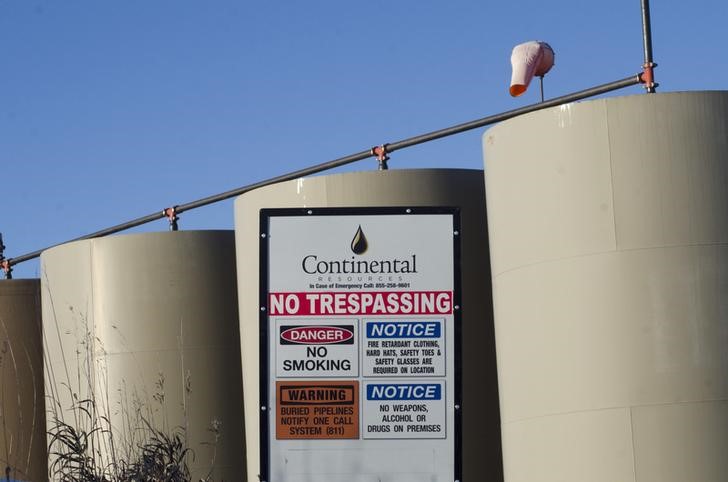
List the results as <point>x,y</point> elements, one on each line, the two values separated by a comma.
<point>540,78</point>
<point>649,65</point>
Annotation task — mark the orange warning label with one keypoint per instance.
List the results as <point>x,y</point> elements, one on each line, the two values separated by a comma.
<point>317,410</point>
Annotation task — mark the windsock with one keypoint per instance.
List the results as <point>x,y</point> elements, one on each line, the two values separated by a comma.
<point>529,59</point>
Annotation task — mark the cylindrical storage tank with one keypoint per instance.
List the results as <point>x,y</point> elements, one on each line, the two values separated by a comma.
<point>428,187</point>
<point>142,329</point>
<point>608,225</point>
<point>22,406</point>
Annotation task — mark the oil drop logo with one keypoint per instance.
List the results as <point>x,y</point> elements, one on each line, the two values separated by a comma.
<point>359,244</point>
<point>316,264</point>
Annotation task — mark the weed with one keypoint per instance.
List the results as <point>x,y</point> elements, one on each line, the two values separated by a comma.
<point>84,446</point>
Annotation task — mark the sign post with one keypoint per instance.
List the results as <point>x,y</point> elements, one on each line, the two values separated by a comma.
<point>360,345</point>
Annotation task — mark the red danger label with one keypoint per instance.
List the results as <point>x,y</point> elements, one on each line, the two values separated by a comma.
<point>317,335</point>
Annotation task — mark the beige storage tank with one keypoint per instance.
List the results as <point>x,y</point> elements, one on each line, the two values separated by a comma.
<point>22,406</point>
<point>428,187</point>
<point>146,327</point>
<point>608,225</point>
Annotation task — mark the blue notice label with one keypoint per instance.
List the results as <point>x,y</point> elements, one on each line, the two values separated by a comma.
<point>404,329</point>
<point>404,391</point>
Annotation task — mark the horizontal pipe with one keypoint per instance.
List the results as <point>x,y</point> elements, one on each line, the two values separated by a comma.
<point>601,89</point>
<point>98,234</point>
<point>342,161</point>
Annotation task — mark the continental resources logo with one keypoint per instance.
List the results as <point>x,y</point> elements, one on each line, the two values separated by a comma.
<point>312,264</point>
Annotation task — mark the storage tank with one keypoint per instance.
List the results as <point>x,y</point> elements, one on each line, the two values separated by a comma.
<point>143,329</point>
<point>22,406</point>
<point>608,225</point>
<point>429,187</point>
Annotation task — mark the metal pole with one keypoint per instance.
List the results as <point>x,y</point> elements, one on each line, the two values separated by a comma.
<point>583,94</point>
<point>541,84</point>
<point>104,232</point>
<point>376,152</point>
<point>649,65</point>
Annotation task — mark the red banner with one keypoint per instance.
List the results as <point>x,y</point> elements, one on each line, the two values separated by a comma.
<point>361,303</point>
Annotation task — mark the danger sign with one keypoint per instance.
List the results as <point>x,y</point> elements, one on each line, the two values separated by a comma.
<point>322,410</point>
<point>317,348</point>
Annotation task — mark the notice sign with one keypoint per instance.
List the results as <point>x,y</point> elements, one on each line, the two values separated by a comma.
<point>360,313</point>
<point>404,347</point>
<point>323,410</point>
<point>404,410</point>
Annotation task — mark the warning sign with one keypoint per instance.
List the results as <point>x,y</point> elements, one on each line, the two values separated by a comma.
<point>404,410</point>
<point>317,348</point>
<point>414,348</point>
<point>317,410</point>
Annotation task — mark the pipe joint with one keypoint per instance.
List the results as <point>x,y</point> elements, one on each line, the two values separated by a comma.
<point>171,215</point>
<point>647,77</point>
<point>380,152</point>
<point>7,268</point>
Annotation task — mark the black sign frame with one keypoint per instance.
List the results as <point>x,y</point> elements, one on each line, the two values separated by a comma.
<point>264,356</point>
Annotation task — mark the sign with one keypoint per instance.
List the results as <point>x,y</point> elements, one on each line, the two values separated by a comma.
<point>360,344</point>
<point>405,347</point>
<point>322,410</point>
<point>317,348</point>
<point>405,410</point>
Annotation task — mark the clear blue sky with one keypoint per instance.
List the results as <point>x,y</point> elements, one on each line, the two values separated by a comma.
<point>113,109</point>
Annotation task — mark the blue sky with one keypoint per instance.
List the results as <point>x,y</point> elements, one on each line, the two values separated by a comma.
<point>113,109</point>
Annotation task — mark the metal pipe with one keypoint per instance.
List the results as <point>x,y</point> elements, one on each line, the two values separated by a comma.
<point>104,232</point>
<point>601,89</point>
<point>412,141</point>
<point>541,84</point>
<point>274,180</point>
<point>650,85</point>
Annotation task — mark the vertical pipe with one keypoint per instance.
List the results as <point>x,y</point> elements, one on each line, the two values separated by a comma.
<point>541,84</point>
<point>650,85</point>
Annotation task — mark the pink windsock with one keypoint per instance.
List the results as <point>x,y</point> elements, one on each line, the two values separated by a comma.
<point>529,59</point>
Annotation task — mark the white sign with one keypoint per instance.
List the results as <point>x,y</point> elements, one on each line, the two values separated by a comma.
<point>317,348</point>
<point>359,328</point>
<point>401,409</point>
<point>404,347</point>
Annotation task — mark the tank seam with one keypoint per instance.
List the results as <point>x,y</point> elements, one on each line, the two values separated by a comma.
<point>631,438</point>
<point>611,178</point>
<point>603,409</point>
<point>598,253</point>
<point>162,350</point>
